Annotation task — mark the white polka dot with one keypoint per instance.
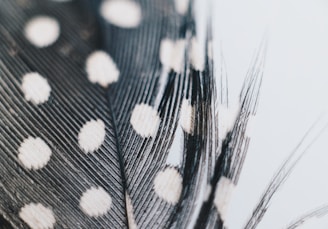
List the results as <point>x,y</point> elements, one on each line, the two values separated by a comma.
<point>168,185</point>
<point>95,202</point>
<point>227,118</point>
<point>166,50</point>
<point>37,216</point>
<point>101,68</point>
<point>172,54</point>
<point>197,55</point>
<point>42,31</point>
<point>187,117</point>
<point>34,153</point>
<point>177,61</point>
<point>181,6</point>
<point>129,210</point>
<point>122,13</point>
<point>92,135</point>
<point>35,88</point>
<point>145,120</point>
<point>223,194</point>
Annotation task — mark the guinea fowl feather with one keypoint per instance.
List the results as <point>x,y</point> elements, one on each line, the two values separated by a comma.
<point>117,114</point>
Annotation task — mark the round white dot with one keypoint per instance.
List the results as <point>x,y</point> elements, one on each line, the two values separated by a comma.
<point>223,192</point>
<point>37,216</point>
<point>178,55</point>
<point>34,153</point>
<point>187,117</point>
<point>42,31</point>
<point>166,50</point>
<point>95,202</point>
<point>35,88</point>
<point>172,54</point>
<point>197,55</point>
<point>122,13</point>
<point>181,6</point>
<point>145,120</point>
<point>101,68</point>
<point>227,118</point>
<point>168,185</point>
<point>92,135</point>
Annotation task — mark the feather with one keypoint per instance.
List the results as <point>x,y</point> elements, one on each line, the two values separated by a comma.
<point>316,213</point>
<point>113,115</point>
<point>71,123</point>
<point>284,171</point>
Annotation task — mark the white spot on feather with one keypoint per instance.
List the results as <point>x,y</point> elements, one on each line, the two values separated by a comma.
<point>223,194</point>
<point>101,68</point>
<point>168,185</point>
<point>172,54</point>
<point>35,88</point>
<point>92,135</point>
<point>34,153</point>
<point>42,31</point>
<point>197,55</point>
<point>95,202</point>
<point>122,13</point>
<point>166,50</point>
<point>187,117</point>
<point>178,55</point>
<point>37,216</point>
<point>181,6</point>
<point>227,118</point>
<point>145,120</point>
<point>129,210</point>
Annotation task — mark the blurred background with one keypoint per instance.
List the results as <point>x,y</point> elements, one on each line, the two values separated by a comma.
<point>293,96</point>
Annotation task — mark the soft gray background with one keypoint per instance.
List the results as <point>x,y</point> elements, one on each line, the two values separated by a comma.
<point>294,94</point>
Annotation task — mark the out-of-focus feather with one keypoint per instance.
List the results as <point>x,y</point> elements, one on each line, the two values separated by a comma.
<point>316,213</point>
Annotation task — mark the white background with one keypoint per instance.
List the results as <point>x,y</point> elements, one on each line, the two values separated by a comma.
<point>294,94</point>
